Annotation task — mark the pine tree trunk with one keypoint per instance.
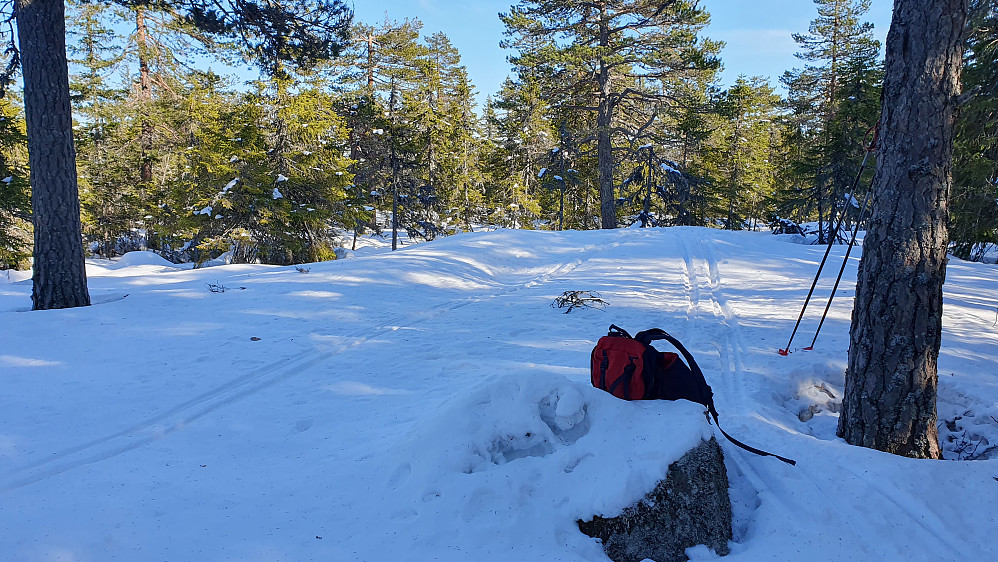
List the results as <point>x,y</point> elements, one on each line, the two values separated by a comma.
<point>60,278</point>
<point>890,390</point>
<point>604,151</point>
<point>145,95</point>
<point>821,210</point>
<point>604,143</point>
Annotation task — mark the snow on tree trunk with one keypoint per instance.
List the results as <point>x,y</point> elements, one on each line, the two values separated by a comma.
<point>890,390</point>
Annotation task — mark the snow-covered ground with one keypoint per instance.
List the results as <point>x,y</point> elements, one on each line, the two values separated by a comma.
<point>430,404</point>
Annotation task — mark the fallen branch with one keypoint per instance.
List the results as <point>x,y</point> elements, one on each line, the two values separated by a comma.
<point>577,299</point>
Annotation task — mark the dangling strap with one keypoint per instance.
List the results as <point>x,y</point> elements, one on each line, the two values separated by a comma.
<point>748,448</point>
<point>648,336</point>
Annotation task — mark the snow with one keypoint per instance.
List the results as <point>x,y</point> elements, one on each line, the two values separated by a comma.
<point>429,404</point>
<point>281,177</point>
<point>204,211</point>
<point>540,174</point>
<point>669,168</point>
<point>140,259</point>
<point>277,194</point>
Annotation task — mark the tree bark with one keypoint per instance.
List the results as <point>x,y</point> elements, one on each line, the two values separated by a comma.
<point>604,141</point>
<point>145,95</point>
<point>890,389</point>
<point>60,278</point>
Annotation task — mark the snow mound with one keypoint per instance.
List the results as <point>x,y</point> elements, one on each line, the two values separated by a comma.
<point>132,259</point>
<point>15,276</point>
<point>792,238</point>
<point>504,452</point>
<point>224,259</point>
<point>503,421</point>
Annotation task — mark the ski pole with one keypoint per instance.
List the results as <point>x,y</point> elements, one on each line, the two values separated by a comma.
<point>852,241</point>
<point>835,232</point>
<point>831,241</point>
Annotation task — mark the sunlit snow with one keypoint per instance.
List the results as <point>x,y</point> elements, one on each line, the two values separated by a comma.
<point>430,404</point>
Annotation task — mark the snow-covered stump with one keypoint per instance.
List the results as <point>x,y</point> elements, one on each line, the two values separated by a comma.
<point>689,508</point>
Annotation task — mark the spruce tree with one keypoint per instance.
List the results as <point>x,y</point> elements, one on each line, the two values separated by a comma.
<point>113,209</point>
<point>299,31</point>
<point>15,206</point>
<point>974,209</point>
<point>523,134</point>
<point>740,168</point>
<point>366,122</point>
<point>305,142</point>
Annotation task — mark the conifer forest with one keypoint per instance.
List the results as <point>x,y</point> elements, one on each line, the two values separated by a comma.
<point>613,115</point>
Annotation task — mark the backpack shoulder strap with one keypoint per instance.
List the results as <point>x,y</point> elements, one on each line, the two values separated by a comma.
<point>648,336</point>
<point>616,330</point>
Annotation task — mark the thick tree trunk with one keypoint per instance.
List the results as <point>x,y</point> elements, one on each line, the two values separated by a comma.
<point>60,278</point>
<point>890,390</point>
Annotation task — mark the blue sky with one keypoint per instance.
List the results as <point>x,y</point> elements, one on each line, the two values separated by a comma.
<point>757,32</point>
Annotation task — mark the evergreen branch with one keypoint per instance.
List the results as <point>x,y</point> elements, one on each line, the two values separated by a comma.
<point>11,51</point>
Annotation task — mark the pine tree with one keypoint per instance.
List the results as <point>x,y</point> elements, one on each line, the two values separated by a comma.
<point>831,119</point>
<point>890,389</point>
<point>614,59</point>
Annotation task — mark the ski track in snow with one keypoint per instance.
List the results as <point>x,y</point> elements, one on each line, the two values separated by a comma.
<point>857,505</point>
<point>713,323</point>
<point>180,415</point>
<point>937,540</point>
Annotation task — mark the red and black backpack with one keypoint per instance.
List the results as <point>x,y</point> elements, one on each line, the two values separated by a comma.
<point>631,369</point>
